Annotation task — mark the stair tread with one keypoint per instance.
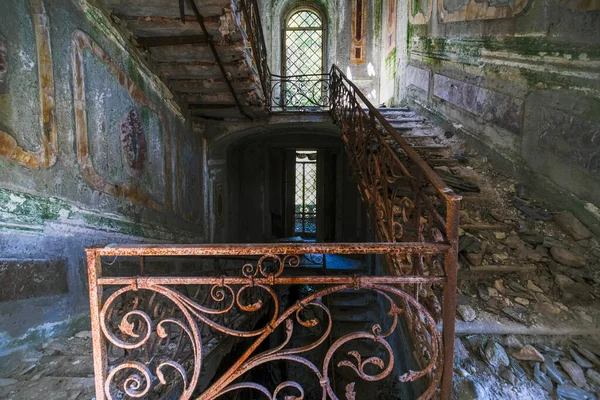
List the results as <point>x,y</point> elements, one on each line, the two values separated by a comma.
<point>392,109</point>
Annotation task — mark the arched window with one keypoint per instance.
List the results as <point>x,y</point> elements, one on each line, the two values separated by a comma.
<point>303,43</point>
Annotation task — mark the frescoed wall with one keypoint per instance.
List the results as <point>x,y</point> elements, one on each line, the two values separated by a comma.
<point>93,150</point>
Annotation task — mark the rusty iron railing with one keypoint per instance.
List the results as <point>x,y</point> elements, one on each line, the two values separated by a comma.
<point>407,202</point>
<point>152,334</point>
<point>300,92</point>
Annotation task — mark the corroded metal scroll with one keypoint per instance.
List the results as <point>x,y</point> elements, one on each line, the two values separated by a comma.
<point>152,336</point>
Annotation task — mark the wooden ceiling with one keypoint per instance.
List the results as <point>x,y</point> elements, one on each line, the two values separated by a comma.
<point>214,76</point>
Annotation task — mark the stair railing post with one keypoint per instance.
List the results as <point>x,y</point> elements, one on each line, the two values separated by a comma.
<point>449,313</point>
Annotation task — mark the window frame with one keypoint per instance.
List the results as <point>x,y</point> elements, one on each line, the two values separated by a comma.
<point>285,28</point>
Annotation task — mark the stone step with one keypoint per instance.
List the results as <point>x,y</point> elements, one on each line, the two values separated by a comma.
<point>443,161</point>
<point>385,110</point>
<point>418,137</point>
<point>404,120</point>
<point>431,148</point>
<point>406,127</point>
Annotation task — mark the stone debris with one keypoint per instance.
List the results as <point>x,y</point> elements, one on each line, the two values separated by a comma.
<point>528,353</point>
<point>84,335</point>
<point>475,259</point>
<point>496,355</point>
<point>460,351</point>
<point>7,382</point>
<point>570,392</point>
<point>542,378</point>
<point>584,351</point>
<point>516,367</point>
<point>466,312</point>
<point>512,342</point>
<point>583,363</point>
<point>593,376</point>
<point>572,226</point>
<point>530,210</point>
<point>548,308</point>
<point>500,235</point>
<point>482,291</point>
<point>499,286</point>
<point>552,371</point>
<point>509,376</point>
<point>522,301</point>
<point>575,372</point>
<point>567,257</point>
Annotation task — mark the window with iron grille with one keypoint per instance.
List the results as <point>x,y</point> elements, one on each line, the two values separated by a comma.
<point>304,54</point>
<point>305,223</point>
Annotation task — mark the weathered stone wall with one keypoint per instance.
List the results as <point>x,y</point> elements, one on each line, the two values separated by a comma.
<point>520,78</point>
<point>93,150</point>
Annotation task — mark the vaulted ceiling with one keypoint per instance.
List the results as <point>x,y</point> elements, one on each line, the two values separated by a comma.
<point>200,49</point>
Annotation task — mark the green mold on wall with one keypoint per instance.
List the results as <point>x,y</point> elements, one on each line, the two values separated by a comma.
<point>377,10</point>
<point>40,209</point>
<point>390,64</point>
<point>531,46</point>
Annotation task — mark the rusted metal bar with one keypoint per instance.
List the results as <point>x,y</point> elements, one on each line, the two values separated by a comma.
<point>270,248</point>
<point>303,280</point>
<point>98,343</point>
<point>449,316</point>
<point>213,49</point>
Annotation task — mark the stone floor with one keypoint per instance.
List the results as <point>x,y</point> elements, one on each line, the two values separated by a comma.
<point>57,370</point>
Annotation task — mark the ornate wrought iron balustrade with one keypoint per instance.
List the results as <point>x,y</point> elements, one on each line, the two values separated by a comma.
<point>153,334</point>
<point>300,92</point>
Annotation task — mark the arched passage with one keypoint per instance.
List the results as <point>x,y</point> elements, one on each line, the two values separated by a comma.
<point>258,187</point>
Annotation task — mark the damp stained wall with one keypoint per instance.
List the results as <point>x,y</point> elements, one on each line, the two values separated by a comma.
<point>93,150</point>
<point>521,79</point>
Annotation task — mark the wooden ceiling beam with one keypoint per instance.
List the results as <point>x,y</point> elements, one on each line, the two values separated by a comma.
<point>211,106</point>
<point>159,41</point>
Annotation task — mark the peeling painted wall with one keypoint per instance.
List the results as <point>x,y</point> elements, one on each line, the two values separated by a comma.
<point>93,150</point>
<point>521,79</point>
